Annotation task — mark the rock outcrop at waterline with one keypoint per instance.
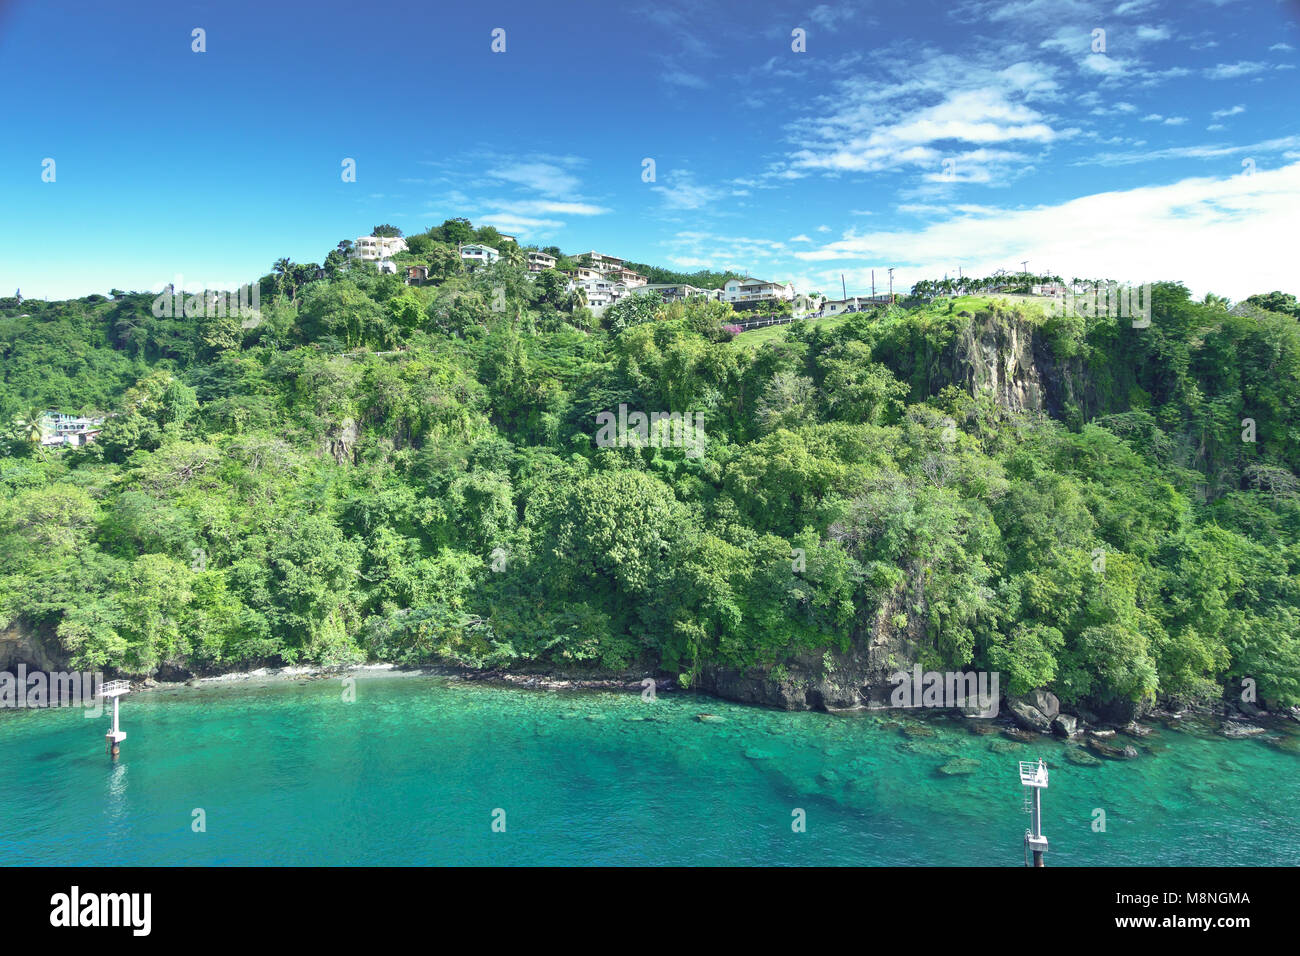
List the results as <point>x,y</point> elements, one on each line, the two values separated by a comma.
<point>20,644</point>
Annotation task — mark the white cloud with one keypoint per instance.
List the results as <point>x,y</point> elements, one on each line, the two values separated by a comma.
<point>1193,152</point>
<point>972,116</point>
<point>828,17</point>
<point>681,191</point>
<point>1101,63</point>
<point>526,226</point>
<point>1227,235</point>
<point>800,238</point>
<point>547,207</point>
<point>1153,33</point>
<point>546,178</point>
<point>1230,71</point>
<point>1282,46</point>
<point>1220,114</point>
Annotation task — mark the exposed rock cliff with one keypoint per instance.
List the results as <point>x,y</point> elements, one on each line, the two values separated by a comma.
<point>20,644</point>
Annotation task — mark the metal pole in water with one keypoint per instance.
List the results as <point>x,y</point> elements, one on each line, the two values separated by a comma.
<point>1034,776</point>
<point>115,689</point>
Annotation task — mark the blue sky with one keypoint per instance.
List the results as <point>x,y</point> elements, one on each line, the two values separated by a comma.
<point>921,135</point>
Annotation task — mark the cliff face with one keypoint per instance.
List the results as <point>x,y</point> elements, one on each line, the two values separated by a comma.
<point>20,644</point>
<point>858,677</point>
<point>1006,356</point>
<point>995,353</point>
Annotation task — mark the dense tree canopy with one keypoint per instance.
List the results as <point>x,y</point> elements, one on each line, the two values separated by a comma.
<point>410,472</point>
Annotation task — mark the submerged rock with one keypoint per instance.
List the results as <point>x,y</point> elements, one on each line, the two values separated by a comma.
<point>710,718</point>
<point>1111,751</point>
<point>1005,746</point>
<point>1234,730</point>
<point>913,731</point>
<point>1015,733</point>
<point>1287,744</point>
<point>1081,757</point>
<point>959,765</point>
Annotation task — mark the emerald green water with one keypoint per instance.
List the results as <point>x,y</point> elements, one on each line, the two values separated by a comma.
<point>411,772</point>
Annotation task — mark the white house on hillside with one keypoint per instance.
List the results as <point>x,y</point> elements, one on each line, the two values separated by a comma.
<point>599,261</point>
<point>756,290</point>
<point>60,428</point>
<point>672,291</point>
<point>475,254</point>
<point>375,248</point>
<point>540,262</point>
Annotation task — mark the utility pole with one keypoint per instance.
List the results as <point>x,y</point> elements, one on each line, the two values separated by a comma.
<point>843,288</point>
<point>891,285</point>
<point>873,284</point>
<point>1024,265</point>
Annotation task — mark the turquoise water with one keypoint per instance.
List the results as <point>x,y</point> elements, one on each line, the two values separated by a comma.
<point>411,772</point>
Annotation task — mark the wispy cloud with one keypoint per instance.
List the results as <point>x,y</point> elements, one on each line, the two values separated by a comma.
<point>680,191</point>
<point>1203,151</point>
<point>1230,71</point>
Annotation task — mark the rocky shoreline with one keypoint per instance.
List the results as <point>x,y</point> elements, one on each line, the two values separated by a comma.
<point>1034,716</point>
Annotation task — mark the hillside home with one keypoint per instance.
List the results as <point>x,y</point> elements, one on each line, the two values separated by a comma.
<point>58,428</point>
<point>599,261</point>
<point>475,255</point>
<point>750,289</point>
<point>375,248</point>
<point>540,262</point>
<point>672,291</point>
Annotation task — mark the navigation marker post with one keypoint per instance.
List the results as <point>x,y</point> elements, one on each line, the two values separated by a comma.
<point>1034,777</point>
<point>115,689</point>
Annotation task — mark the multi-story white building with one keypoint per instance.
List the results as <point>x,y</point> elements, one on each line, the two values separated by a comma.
<point>475,254</point>
<point>599,261</point>
<point>673,291</point>
<point>540,262</point>
<point>59,428</point>
<point>750,289</point>
<point>375,248</point>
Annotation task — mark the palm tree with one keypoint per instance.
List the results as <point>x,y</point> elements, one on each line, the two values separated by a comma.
<point>1217,301</point>
<point>30,427</point>
<point>512,254</point>
<point>284,270</point>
